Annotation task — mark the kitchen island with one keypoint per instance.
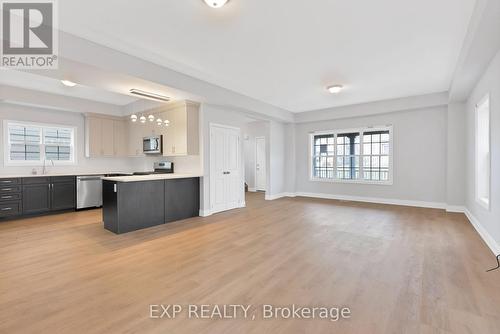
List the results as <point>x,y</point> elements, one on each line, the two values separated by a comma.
<point>135,202</point>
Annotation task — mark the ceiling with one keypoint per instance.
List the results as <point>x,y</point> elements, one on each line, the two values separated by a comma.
<point>285,52</point>
<point>29,80</point>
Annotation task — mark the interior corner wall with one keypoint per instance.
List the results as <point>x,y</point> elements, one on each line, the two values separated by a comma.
<point>290,159</point>
<point>486,221</point>
<point>277,163</point>
<point>420,154</point>
<point>455,162</point>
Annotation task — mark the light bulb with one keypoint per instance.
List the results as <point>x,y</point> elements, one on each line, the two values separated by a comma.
<point>142,119</point>
<point>335,89</point>
<point>151,118</point>
<point>133,118</point>
<point>159,121</point>
<point>216,3</point>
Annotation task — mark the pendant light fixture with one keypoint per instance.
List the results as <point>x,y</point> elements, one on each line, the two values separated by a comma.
<point>216,3</point>
<point>133,118</point>
<point>142,119</point>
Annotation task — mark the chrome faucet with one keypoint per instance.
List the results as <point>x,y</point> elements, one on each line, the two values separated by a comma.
<point>44,169</point>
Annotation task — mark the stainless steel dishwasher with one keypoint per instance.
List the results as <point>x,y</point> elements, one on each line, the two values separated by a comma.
<point>88,191</point>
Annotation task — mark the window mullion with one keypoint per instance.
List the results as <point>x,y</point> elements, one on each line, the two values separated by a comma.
<point>361,155</point>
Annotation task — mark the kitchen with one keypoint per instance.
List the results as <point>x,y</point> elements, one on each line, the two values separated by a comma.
<point>57,160</point>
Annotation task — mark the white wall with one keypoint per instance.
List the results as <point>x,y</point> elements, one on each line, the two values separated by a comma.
<point>277,164</point>
<point>487,222</point>
<point>420,154</point>
<point>455,164</point>
<point>250,132</point>
<point>83,164</point>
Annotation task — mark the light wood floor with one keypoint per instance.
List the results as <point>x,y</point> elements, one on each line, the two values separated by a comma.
<point>399,269</point>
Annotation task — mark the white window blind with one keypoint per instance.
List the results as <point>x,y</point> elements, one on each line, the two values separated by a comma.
<point>33,143</point>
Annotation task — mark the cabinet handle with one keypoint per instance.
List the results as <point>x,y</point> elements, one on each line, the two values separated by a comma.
<point>6,209</point>
<point>5,197</point>
<point>6,181</point>
<point>6,189</point>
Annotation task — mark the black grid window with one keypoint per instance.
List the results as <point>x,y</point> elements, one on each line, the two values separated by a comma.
<point>57,144</point>
<point>376,155</point>
<point>25,143</point>
<point>33,143</point>
<point>323,156</point>
<point>348,147</point>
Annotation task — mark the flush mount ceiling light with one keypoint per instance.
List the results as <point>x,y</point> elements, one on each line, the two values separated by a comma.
<point>152,96</point>
<point>335,89</point>
<point>216,3</point>
<point>68,83</point>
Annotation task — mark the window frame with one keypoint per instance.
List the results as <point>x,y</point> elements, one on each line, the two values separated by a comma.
<point>38,163</point>
<point>361,131</point>
<point>480,201</point>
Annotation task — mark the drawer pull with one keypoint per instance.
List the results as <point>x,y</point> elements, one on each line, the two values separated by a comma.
<point>5,197</point>
<point>6,181</point>
<point>6,209</point>
<point>6,189</point>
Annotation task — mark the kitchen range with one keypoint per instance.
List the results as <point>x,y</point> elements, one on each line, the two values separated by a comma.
<point>130,201</point>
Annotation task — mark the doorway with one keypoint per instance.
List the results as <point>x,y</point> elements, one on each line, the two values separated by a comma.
<point>260,164</point>
<point>226,182</point>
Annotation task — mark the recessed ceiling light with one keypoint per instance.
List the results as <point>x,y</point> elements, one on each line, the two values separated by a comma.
<point>68,83</point>
<point>335,89</point>
<point>216,3</point>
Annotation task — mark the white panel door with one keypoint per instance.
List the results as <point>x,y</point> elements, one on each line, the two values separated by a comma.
<point>260,163</point>
<point>225,169</point>
<point>217,169</point>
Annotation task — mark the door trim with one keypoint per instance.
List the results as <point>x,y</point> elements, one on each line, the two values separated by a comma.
<point>255,166</point>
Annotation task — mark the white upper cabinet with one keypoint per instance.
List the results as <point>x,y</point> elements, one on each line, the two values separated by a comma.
<point>105,136</point>
<point>182,136</point>
<point>108,136</point>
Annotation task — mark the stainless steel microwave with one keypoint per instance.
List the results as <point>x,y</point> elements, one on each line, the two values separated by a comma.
<point>152,145</point>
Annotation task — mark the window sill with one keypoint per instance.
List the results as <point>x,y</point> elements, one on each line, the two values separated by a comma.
<point>380,183</point>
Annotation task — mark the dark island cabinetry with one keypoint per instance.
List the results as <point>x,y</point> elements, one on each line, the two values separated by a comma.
<point>130,206</point>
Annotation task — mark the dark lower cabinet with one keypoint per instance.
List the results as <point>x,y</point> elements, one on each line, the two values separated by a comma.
<point>63,196</point>
<point>182,199</point>
<point>130,206</point>
<point>36,198</point>
<point>39,195</point>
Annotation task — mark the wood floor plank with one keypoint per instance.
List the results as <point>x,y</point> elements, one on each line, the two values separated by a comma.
<point>399,270</point>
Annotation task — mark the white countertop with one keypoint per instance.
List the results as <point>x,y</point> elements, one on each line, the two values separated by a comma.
<point>60,174</point>
<point>152,177</point>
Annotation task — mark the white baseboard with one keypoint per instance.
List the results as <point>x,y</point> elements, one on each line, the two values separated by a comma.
<point>377,200</point>
<point>455,208</point>
<point>205,213</point>
<point>280,195</point>
<point>488,239</point>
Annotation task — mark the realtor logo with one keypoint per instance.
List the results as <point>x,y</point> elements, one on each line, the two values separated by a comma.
<point>29,34</point>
